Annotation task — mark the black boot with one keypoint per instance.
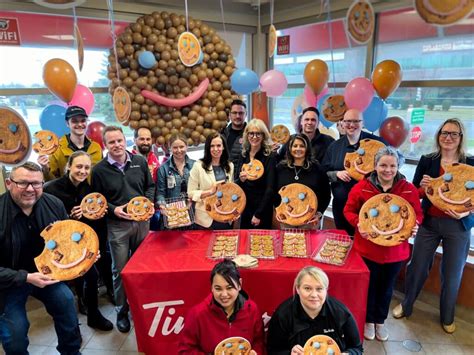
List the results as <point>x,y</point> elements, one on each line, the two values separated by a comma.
<point>97,321</point>
<point>123,323</point>
<point>81,305</point>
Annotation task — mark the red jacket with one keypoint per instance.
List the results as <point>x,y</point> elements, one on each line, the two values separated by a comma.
<point>206,326</point>
<point>360,193</point>
<point>153,163</point>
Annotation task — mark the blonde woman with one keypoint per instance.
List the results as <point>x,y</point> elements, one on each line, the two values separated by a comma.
<point>257,145</point>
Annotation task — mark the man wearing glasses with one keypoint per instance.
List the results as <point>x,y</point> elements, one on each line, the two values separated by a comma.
<point>233,133</point>
<point>25,211</point>
<point>55,164</point>
<point>333,163</point>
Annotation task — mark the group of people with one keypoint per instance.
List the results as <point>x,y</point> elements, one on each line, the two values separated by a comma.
<point>310,158</point>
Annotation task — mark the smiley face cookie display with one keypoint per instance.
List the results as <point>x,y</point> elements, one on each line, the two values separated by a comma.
<point>362,161</point>
<point>93,206</point>
<point>334,108</point>
<point>321,345</point>
<point>233,346</point>
<point>122,104</point>
<point>280,134</point>
<point>227,204</point>
<point>388,219</point>
<point>298,205</point>
<point>140,208</point>
<point>47,142</point>
<point>442,12</point>
<point>453,190</point>
<point>189,49</point>
<point>71,248</point>
<point>254,169</point>
<point>15,139</point>
<point>360,21</point>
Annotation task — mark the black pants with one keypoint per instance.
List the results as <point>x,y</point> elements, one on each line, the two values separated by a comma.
<point>86,288</point>
<point>382,281</point>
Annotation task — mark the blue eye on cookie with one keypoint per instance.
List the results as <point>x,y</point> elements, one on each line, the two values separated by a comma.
<point>13,127</point>
<point>361,151</point>
<point>316,345</point>
<point>76,237</point>
<point>89,200</point>
<point>447,177</point>
<point>394,208</point>
<point>219,194</point>
<point>301,196</point>
<point>373,212</point>
<point>99,201</point>
<point>51,245</point>
<point>136,203</point>
<point>469,185</point>
<point>228,345</point>
<point>285,199</point>
<point>234,197</point>
<point>241,347</point>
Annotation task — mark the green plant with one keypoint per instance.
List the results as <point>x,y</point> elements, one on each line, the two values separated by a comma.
<point>431,105</point>
<point>446,105</point>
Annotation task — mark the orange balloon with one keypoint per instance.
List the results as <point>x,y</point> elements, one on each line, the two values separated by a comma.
<point>316,75</point>
<point>386,78</point>
<point>60,78</point>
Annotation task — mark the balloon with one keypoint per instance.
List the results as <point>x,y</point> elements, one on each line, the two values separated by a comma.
<point>375,114</point>
<point>146,59</point>
<point>84,98</point>
<point>60,78</point>
<point>323,120</point>
<point>316,75</point>
<point>188,100</point>
<point>309,96</point>
<point>244,81</point>
<point>53,119</point>
<point>394,130</point>
<point>94,132</point>
<point>386,78</point>
<point>273,82</point>
<point>358,93</point>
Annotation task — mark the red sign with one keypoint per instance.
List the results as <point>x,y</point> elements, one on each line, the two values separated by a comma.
<point>415,134</point>
<point>283,45</point>
<point>9,32</point>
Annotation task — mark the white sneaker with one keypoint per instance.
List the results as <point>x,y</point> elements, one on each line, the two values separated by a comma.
<point>381,332</point>
<point>369,331</point>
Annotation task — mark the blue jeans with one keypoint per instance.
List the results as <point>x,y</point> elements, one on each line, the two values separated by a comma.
<point>59,302</point>
<point>455,239</point>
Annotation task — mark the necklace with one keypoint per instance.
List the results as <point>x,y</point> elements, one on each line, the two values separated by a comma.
<point>297,173</point>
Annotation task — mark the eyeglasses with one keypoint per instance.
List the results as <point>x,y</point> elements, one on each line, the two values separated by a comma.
<point>454,135</point>
<point>349,122</point>
<point>24,184</point>
<point>238,113</point>
<point>255,134</point>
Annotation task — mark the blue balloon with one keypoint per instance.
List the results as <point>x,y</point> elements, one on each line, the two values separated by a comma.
<point>324,121</point>
<point>146,59</point>
<point>244,81</point>
<point>201,58</point>
<point>53,119</point>
<point>375,114</point>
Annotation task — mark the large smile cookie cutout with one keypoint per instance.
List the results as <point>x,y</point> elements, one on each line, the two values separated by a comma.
<point>443,12</point>
<point>321,345</point>
<point>362,162</point>
<point>233,346</point>
<point>47,142</point>
<point>360,21</point>
<point>334,108</point>
<point>388,219</point>
<point>71,248</point>
<point>453,190</point>
<point>15,139</point>
<point>298,205</point>
<point>227,204</point>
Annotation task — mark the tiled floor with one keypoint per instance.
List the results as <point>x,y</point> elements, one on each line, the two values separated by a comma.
<point>422,326</point>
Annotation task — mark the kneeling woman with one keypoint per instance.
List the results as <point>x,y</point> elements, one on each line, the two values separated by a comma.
<point>311,312</point>
<point>226,312</point>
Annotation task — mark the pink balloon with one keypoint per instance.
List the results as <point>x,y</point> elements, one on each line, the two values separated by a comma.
<point>273,82</point>
<point>322,94</point>
<point>359,93</point>
<point>188,100</point>
<point>84,98</point>
<point>309,96</point>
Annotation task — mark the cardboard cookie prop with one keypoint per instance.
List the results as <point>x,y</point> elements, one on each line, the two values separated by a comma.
<point>122,104</point>
<point>362,161</point>
<point>15,139</point>
<point>454,190</point>
<point>280,134</point>
<point>140,208</point>
<point>334,108</point>
<point>227,204</point>
<point>298,205</point>
<point>272,40</point>
<point>360,21</point>
<point>93,205</point>
<point>71,248</point>
<point>321,345</point>
<point>47,142</point>
<point>388,219</point>
<point>443,12</point>
<point>254,169</point>
<point>177,90</point>
<point>233,346</point>
<point>245,261</point>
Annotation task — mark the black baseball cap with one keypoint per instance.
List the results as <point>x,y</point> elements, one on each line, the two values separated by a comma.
<point>74,111</point>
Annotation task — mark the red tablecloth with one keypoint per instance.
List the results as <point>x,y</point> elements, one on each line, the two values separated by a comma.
<point>170,273</point>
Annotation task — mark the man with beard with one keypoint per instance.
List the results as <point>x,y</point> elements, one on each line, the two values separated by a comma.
<point>143,143</point>
<point>233,133</point>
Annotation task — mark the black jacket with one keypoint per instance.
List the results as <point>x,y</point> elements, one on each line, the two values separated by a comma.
<point>64,189</point>
<point>319,146</point>
<point>48,209</point>
<point>290,326</point>
<point>235,152</point>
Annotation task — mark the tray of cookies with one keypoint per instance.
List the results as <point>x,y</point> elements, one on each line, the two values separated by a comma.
<point>177,213</point>
<point>263,244</point>
<point>332,248</point>
<point>223,244</point>
<point>295,243</point>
